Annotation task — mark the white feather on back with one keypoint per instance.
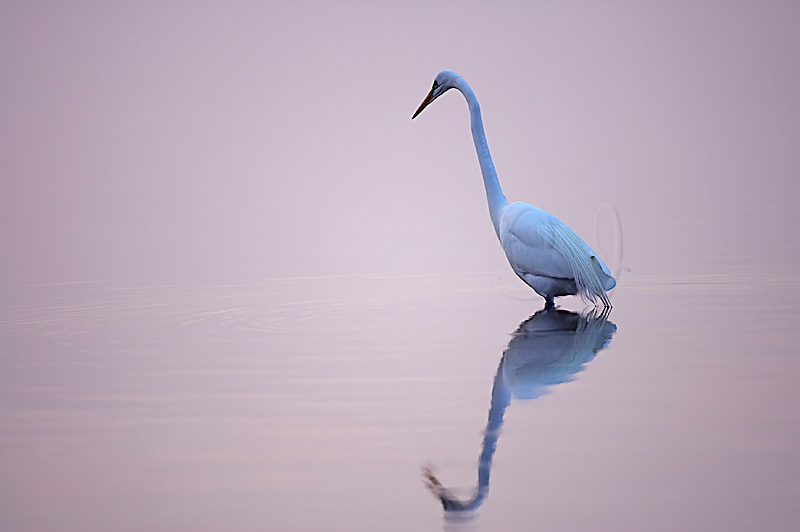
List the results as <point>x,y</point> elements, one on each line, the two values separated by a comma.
<point>538,243</point>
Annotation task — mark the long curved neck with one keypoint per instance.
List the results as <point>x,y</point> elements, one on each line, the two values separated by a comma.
<point>494,194</point>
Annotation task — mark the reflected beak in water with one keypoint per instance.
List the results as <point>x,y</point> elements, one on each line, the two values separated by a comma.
<point>428,99</point>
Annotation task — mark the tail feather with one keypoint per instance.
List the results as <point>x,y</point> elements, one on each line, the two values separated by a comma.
<point>590,279</point>
<point>608,281</point>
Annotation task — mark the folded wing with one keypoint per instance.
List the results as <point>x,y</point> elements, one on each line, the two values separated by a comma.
<point>538,243</point>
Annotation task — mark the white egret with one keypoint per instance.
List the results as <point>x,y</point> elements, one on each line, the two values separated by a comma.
<point>546,254</point>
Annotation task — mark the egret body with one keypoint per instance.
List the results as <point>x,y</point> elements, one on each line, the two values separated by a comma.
<point>546,254</point>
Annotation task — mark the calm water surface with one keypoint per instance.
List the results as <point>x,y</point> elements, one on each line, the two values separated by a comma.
<point>330,404</point>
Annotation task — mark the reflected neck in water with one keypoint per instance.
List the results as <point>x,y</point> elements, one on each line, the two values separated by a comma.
<point>548,348</point>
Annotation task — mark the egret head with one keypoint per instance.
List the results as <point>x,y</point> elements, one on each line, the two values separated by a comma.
<point>443,82</point>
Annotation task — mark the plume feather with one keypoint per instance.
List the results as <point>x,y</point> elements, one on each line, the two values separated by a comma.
<point>586,268</point>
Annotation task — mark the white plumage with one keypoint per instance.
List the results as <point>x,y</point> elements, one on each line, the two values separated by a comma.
<point>541,249</point>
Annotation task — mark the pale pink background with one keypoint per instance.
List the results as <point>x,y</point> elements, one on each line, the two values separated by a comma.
<point>152,152</point>
<point>231,141</point>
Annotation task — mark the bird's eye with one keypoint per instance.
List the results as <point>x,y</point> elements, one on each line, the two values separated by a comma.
<point>435,84</point>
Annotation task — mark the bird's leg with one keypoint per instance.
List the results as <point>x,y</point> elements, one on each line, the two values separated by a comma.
<point>549,304</point>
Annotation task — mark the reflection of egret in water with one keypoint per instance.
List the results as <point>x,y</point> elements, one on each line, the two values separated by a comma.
<point>546,349</point>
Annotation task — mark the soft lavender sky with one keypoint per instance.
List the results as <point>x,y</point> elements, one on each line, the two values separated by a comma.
<point>156,141</point>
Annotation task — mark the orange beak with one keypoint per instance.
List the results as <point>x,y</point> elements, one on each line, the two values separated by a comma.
<point>428,99</point>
